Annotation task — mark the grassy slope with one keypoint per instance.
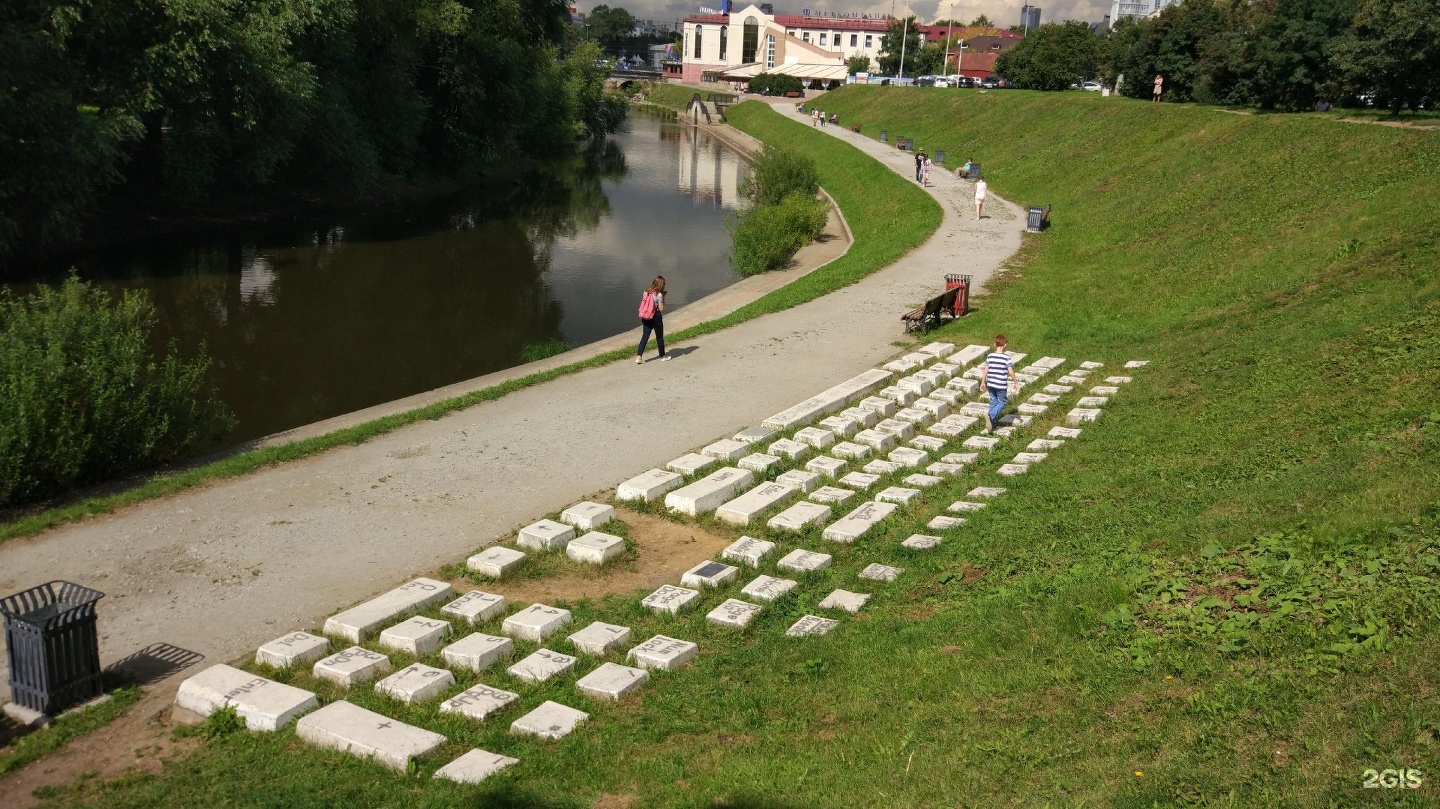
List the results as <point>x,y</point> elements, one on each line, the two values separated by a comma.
<point>677,96</point>
<point>1293,393</point>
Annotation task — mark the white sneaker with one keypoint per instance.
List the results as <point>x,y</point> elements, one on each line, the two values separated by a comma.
<point>665,358</point>
<point>639,360</point>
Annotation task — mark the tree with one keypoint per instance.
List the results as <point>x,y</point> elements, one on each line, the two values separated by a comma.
<point>1052,57</point>
<point>1394,51</point>
<point>1171,45</point>
<point>891,47</point>
<point>1289,50</point>
<point>982,22</point>
<point>611,27</point>
<point>858,64</point>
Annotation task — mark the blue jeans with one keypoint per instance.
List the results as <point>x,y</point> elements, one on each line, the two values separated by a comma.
<point>997,403</point>
<point>657,325</point>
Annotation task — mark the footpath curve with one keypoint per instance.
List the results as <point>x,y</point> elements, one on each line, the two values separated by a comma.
<point>220,570</point>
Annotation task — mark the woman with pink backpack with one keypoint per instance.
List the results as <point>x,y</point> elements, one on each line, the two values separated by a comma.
<point>652,311</point>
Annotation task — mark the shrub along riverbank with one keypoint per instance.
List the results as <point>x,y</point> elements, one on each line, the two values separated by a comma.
<point>1224,593</point>
<point>784,215</point>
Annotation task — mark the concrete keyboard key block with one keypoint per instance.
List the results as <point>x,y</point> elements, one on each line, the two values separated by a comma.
<point>1137,363</point>
<point>878,572</point>
<point>1044,445</point>
<point>1104,390</point>
<point>864,418</point>
<point>1071,378</point>
<point>840,426</point>
<point>916,418</point>
<point>541,666</point>
<point>799,478</point>
<point>968,387</point>
<point>550,721</point>
<point>596,548</point>
<point>923,481</point>
<point>1081,415</point>
<point>962,506</point>
<point>826,466</point>
<point>768,588</point>
<point>1050,362</point>
<point>828,401</point>
<point>476,607</point>
<point>969,354</point>
<point>919,385</point>
<point>918,357</point>
<point>985,492</point>
<point>727,449</point>
<point>831,494</point>
<point>612,681</point>
<point>755,435</point>
<point>359,622</point>
<point>263,704</point>
<point>902,397</point>
<point>944,430</point>
<point>756,462</point>
<point>587,516</point>
<point>942,468</point>
<point>1010,470</point>
<point>881,406</point>
<point>981,442</point>
<point>1092,401</point>
<point>977,373</point>
<point>1064,432</point>
<point>751,504</point>
<point>351,729</point>
<point>648,486</point>
<point>927,443</point>
<point>859,480</point>
<point>1033,409</point>
<point>799,516</point>
<point>961,458</point>
<point>897,495</point>
<point>416,683</point>
<point>670,598</point>
<point>419,636</point>
<point>786,448</point>
<point>803,561</point>
<point>1057,390</point>
<point>1030,457</point>
<point>815,437</point>
<point>599,638</point>
<point>963,422</point>
<point>663,653</point>
<point>692,463</point>
<point>292,649</point>
<point>352,666</point>
<point>478,702</point>
<point>937,349</point>
<point>1016,420</point>
<point>708,493</point>
<point>1043,398</point>
<point>474,767</point>
<point>976,410</point>
<point>709,574</point>
<point>906,456</point>
<point>748,551</point>
<point>900,366</point>
<point>877,440</point>
<point>934,407</point>
<point>921,542</point>
<point>844,600</point>
<point>902,430</point>
<point>733,613</point>
<point>478,651</point>
<point>948,395</point>
<point>878,467</point>
<point>536,622</point>
<point>548,535</point>
<point>1091,364</point>
<point>943,523</point>
<point>496,561</point>
<point>810,625</point>
<point>1117,380</point>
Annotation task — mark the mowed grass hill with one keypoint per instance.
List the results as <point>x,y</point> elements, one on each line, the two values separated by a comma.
<point>1225,593</point>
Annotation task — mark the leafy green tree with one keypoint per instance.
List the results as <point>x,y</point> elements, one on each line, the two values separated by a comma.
<point>1394,51</point>
<point>982,21</point>
<point>609,26</point>
<point>891,47</point>
<point>858,64</point>
<point>1290,50</point>
<point>1052,57</point>
<point>1171,45</point>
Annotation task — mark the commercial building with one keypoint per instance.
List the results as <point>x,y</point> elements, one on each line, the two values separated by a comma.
<point>1029,16</point>
<point>1138,8</point>
<point>813,47</point>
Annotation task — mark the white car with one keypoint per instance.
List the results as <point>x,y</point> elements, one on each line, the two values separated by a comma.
<point>1091,85</point>
<point>942,82</point>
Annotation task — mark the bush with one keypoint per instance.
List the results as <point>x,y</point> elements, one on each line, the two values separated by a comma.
<point>777,174</point>
<point>769,235</point>
<point>775,84</point>
<point>83,397</point>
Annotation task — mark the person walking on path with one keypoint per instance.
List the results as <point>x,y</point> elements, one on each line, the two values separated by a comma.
<point>1159,87</point>
<point>999,376</point>
<point>925,170</point>
<point>652,318</point>
<point>815,117</point>
<point>919,165</point>
<point>981,189</point>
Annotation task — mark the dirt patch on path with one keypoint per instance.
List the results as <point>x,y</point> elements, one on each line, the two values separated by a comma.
<point>664,550</point>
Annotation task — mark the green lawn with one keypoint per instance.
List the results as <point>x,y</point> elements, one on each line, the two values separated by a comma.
<point>1225,593</point>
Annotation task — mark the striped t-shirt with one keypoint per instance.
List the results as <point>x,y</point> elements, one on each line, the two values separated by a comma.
<point>997,370</point>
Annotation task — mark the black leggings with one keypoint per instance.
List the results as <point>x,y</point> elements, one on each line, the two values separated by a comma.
<point>657,325</point>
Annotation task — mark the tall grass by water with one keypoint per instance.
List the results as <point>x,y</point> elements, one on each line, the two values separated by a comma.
<point>1223,593</point>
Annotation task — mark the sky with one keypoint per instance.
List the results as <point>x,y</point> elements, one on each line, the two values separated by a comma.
<point>1001,12</point>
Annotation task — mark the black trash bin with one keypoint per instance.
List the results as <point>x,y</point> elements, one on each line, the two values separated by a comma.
<point>940,156</point>
<point>884,136</point>
<point>53,646</point>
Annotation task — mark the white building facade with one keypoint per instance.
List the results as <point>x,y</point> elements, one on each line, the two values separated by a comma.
<point>1137,8</point>
<point>749,41</point>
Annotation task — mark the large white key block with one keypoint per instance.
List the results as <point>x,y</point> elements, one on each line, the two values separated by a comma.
<point>612,681</point>
<point>648,486</point>
<point>855,524</point>
<point>296,647</point>
<point>546,535</point>
<point>828,401</point>
<point>536,622</point>
<point>358,622</point>
<point>749,505</point>
<point>351,729</point>
<point>263,704</point>
<point>708,493</point>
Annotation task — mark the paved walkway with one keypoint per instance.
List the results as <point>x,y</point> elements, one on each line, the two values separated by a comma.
<point>221,570</point>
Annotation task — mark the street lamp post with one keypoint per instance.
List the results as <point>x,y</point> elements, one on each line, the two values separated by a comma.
<point>904,35</point>
<point>949,23</point>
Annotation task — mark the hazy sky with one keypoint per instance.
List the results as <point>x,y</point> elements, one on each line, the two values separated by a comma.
<point>1002,12</point>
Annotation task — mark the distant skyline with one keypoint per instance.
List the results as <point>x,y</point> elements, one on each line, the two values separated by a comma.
<point>1003,13</point>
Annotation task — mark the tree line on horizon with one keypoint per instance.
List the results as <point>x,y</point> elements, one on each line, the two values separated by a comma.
<point>184,100</point>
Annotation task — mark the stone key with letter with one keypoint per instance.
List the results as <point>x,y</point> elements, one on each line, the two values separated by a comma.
<point>296,647</point>
<point>478,701</point>
<point>854,525</point>
<point>352,666</point>
<point>358,622</point>
<point>708,493</point>
<point>351,729</point>
<point>828,401</point>
<point>263,704</point>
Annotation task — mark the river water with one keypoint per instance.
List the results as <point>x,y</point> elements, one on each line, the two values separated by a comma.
<point>313,319</point>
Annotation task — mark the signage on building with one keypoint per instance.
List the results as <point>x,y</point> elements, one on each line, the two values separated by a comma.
<point>840,15</point>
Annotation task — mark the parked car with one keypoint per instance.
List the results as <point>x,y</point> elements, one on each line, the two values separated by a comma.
<point>1093,86</point>
<point>942,82</point>
<point>990,82</point>
<point>966,81</point>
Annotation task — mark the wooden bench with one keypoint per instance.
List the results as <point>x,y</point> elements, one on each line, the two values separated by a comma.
<point>928,315</point>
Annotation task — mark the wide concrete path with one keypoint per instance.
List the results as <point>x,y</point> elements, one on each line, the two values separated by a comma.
<point>221,570</point>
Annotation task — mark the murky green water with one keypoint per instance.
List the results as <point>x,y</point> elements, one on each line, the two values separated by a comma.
<point>311,320</point>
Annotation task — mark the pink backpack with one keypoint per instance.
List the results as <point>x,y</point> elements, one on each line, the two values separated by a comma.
<point>647,306</point>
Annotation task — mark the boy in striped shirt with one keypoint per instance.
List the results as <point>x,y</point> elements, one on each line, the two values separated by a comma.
<point>999,373</point>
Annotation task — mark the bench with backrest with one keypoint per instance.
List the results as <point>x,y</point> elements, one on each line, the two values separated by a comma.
<point>929,314</point>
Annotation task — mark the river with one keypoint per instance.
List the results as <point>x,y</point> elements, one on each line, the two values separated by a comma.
<point>311,319</point>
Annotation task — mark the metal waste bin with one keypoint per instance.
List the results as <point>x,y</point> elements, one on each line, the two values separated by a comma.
<point>884,136</point>
<point>962,298</point>
<point>940,156</point>
<point>974,172</point>
<point>1035,219</point>
<point>53,646</point>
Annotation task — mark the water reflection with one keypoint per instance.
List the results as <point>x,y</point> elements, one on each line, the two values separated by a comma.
<point>314,318</point>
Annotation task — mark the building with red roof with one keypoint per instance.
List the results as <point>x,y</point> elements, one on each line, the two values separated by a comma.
<point>813,47</point>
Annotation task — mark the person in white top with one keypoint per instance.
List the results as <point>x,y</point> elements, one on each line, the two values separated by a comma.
<point>980,191</point>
